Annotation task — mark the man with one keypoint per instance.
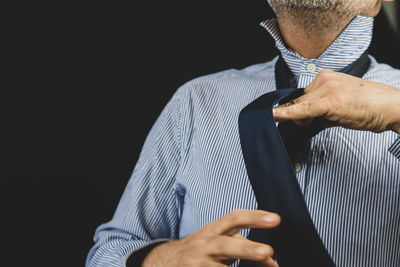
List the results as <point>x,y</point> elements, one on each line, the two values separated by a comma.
<point>189,201</point>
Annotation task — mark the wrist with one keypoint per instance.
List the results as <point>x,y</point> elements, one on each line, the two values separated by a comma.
<point>161,255</point>
<point>137,256</point>
<point>393,112</point>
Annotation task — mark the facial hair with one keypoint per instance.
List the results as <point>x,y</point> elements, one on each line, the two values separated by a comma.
<point>318,16</point>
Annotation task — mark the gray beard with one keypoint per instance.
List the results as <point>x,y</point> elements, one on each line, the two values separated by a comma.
<point>318,16</point>
<point>342,6</point>
<point>320,4</point>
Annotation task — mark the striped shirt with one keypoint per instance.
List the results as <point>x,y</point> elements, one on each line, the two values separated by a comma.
<point>191,170</point>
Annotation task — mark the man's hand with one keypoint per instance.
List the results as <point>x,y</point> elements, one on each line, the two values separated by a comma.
<point>218,243</point>
<point>346,101</point>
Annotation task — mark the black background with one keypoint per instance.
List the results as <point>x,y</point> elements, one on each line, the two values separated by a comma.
<point>86,82</point>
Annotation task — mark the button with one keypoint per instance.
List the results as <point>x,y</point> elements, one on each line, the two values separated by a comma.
<point>311,67</point>
<point>297,167</point>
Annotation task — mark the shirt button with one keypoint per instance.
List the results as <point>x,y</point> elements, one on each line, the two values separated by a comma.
<point>297,167</point>
<point>311,67</point>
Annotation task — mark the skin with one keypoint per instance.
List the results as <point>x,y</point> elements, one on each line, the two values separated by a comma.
<point>310,31</point>
<point>342,99</point>
<point>218,243</point>
<point>346,101</point>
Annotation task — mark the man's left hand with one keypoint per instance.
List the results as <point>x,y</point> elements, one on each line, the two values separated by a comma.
<point>346,101</point>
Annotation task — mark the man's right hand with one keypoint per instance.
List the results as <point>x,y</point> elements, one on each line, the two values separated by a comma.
<point>218,243</point>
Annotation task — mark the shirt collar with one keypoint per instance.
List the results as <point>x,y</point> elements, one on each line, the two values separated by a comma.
<point>348,47</point>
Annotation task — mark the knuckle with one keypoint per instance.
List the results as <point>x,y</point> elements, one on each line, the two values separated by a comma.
<point>324,73</point>
<point>305,106</point>
<point>332,84</point>
<point>291,102</point>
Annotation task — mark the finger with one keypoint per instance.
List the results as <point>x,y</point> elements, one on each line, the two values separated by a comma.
<point>313,85</point>
<point>239,219</point>
<point>310,97</point>
<point>233,248</point>
<point>304,110</point>
<point>300,99</point>
<point>322,76</point>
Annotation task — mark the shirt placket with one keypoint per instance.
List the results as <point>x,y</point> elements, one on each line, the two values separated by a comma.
<point>307,74</point>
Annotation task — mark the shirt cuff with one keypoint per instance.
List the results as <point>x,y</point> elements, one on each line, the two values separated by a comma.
<point>395,148</point>
<point>137,256</point>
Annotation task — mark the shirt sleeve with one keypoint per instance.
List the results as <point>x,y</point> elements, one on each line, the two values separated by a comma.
<point>395,148</point>
<point>147,213</point>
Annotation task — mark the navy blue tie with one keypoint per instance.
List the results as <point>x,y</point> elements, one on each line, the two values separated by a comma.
<point>268,154</point>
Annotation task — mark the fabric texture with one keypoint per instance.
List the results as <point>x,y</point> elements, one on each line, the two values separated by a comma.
<point>191,170</point>
<point>269,153</point>
<point>273,179</point>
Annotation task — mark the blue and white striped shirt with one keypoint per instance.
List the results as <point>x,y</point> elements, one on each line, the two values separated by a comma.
<point>191,171</point>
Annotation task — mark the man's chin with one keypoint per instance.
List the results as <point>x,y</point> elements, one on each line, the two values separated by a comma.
<point>338,6</point>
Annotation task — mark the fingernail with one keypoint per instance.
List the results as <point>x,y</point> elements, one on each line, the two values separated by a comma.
<point>261,250</point>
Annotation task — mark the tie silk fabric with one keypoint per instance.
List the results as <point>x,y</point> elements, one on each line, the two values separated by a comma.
<point>268,153</point>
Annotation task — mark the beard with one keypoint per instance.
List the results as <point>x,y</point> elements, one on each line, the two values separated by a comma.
<point>332,5</point>
<point>318,16</point>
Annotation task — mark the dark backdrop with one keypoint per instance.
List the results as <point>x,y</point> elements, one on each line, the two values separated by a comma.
<point>87,81</point>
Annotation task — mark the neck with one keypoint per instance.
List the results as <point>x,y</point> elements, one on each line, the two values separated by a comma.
<point>307,38</point>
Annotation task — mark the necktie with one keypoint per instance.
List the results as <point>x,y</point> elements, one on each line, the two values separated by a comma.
<point>268,154</point>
